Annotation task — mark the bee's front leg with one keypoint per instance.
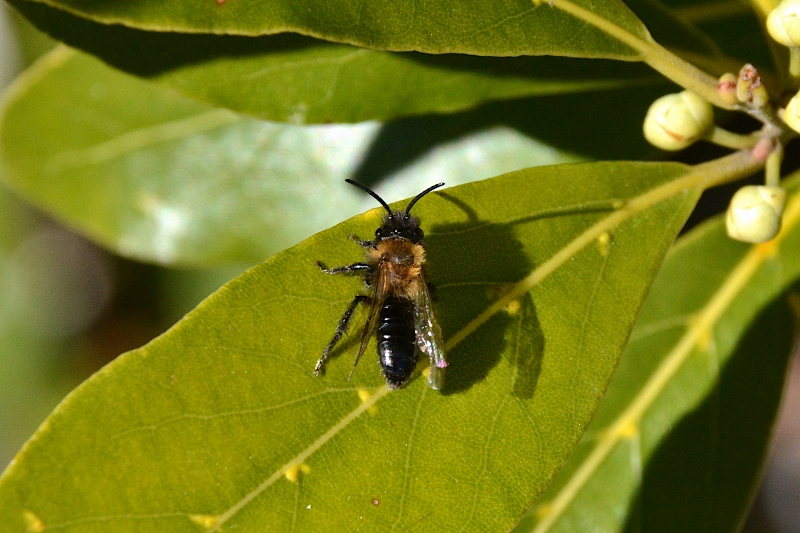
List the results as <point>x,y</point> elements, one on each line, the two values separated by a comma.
<point>341,329</point>
<point>344,269</point>
<point>363,244</point>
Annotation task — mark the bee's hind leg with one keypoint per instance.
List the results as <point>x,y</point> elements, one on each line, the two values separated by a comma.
<point>341,328</point>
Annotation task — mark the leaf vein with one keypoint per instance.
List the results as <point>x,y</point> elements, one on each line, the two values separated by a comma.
<point>192,416</point>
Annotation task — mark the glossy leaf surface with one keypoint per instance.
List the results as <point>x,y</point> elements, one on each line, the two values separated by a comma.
<point>686,421</point>
<point>495,27</point>
<point>300,79</point>
<point>159,177</point>
<point>220,425</point>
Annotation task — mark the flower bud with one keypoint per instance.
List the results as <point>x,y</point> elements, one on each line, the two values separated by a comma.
<point>675,121</point>
<point>791,115</point>
<point>726,87</point>
<point>783,23</point>
<point>750,88</point>
<point>754,214</point>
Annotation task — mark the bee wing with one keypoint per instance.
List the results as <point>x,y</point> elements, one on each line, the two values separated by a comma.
<point>378,296</point>
<point>429,335</point>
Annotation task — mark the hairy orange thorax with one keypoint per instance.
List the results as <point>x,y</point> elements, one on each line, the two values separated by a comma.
<point>402,262</point>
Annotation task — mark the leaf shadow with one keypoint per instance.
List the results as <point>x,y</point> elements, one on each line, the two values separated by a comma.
<point>550,119</point>
<point>483,260</point>
<point>709,463</point>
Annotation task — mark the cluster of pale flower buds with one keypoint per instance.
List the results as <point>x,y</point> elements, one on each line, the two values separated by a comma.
<point>783,25</point>
<point>675,121</point>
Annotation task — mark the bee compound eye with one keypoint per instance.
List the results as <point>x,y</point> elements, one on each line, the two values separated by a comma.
<point>379,233</point>
<point>419,234</point>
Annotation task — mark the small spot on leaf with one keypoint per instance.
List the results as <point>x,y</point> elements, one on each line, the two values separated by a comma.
<point>364,395</point>
<point>205,520</point>
<point>629,430</point>
<point>33,524</point>
<point>513,307</point>
<point>603,242</point>
<point>768,249</point>
<point>704,339</point>
<point>294,471</point>
<point>543,511</point>
<point>497,291</point>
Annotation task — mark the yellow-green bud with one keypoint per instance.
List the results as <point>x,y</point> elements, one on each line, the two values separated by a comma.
<point>791,115</point>
<point>783,23</point>
<point>726,87</point>
<point>749,87</point>
<point>754,214</point>
<point>675,121</point>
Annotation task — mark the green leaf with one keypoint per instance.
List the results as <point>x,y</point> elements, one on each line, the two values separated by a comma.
<point>687,419</point>
<point>220,422</point>
<point>159,177</point>
<point>300,79</point>
<point>579,28</point>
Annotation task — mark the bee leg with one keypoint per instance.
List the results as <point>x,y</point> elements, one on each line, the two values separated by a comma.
<point>363,244</point>
<point>345,269</point>
<point>341,329</point>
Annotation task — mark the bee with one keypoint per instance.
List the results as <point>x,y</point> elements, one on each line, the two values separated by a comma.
<point>400,305</point>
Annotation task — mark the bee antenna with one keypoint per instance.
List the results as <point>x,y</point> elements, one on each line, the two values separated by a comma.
<point>420,195</point>
<point>371,193</point>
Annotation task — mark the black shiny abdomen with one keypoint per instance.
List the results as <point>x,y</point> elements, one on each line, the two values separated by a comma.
<point>397,341</point>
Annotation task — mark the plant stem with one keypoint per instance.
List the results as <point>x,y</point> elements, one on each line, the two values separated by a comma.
<point>772,167</point>
<point>794,67</point>
<point>712,11</point>
<point>729,139</point>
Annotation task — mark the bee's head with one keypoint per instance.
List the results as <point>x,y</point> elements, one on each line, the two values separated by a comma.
<point>398,224</point>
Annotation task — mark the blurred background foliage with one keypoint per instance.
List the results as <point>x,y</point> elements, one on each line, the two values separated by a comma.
<point>68,307</point>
